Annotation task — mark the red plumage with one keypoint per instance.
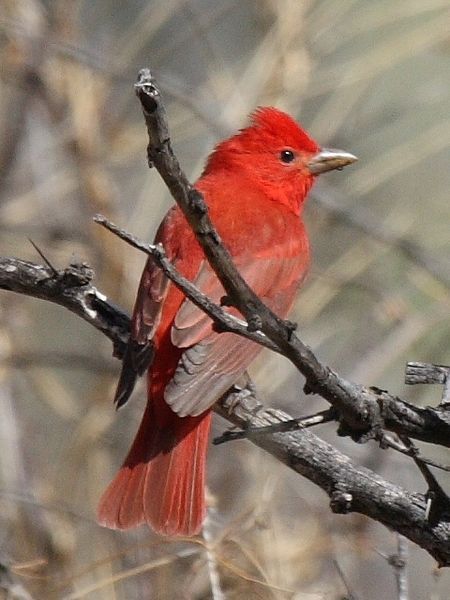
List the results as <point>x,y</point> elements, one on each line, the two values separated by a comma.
<point>254,184</point>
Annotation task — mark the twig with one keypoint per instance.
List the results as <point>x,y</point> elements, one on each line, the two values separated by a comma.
<point>225,321</point>
<point>438,502</point>
<point>71,288</point>
<point>324,416</point>
<point>386,441</point>
<point>399,563</point>
<point>44,258</point>
<point>349,595</point>
<point>350,487</point>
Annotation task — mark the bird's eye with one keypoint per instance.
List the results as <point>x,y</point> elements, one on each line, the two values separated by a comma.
<point>287,156</point>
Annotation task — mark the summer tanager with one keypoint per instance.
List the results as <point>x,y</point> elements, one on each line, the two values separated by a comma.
<point>255,184</point>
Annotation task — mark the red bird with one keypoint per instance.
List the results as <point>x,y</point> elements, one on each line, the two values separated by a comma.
<point>255,184</point>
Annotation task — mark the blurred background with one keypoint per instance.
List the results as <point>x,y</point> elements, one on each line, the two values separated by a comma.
<point>368,77</point>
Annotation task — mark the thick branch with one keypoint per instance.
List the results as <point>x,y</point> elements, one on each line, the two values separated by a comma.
<point>419,372</point>
<point>71,288</point>
<point>351,488</point>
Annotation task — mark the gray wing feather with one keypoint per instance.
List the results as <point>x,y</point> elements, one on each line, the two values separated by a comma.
<point>206,370</point>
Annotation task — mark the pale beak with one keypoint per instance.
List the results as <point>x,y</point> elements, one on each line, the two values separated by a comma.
<point>328,159</point>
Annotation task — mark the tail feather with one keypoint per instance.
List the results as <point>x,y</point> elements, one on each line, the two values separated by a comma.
<point>162,480</point>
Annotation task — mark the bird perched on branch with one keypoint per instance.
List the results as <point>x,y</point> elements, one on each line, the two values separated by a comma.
<point>255,185</point>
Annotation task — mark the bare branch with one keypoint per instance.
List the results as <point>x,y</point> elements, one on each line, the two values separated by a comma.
<point>399,563</point>
<point>387,441</point>
<point>223,320</point>
<point>71,288</point>
<point>418,372</point>
<point>324,416</point>
<point>351,488</point>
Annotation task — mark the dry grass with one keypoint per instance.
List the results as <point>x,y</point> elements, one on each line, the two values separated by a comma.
<point>370,77</point>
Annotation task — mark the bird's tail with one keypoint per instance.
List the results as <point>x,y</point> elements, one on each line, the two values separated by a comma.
<point>162,481</point>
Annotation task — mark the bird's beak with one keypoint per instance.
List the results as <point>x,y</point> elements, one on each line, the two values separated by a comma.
<point>328,159</point>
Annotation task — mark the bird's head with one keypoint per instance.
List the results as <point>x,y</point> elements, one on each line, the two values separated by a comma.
<point>277,155</point>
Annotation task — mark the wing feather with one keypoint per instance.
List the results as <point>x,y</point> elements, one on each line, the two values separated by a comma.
<point>212,362</point>
<point>153,290</point>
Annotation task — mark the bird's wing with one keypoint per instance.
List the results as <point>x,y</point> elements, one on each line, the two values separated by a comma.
<point>153,289</point>
<point>146,317</point>
<point>212,362</point>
